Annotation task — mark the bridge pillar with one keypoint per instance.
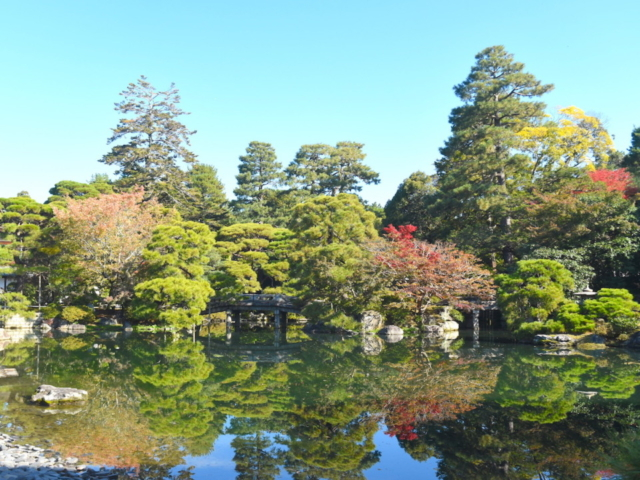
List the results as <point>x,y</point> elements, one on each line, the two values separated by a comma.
<point>278,328</point>
<point>236,320</point>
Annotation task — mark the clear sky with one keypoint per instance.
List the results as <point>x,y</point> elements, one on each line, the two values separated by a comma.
<point>291,72</point>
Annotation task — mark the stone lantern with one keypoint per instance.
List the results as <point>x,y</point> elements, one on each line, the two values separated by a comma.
<point>585,294</point>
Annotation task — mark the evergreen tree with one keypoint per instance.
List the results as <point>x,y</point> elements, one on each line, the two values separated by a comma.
<point>207,201</point>
<point>77,190</point>
<point>324,170</point>
<point>411,202</point>
<point>480,171</point>
<point>631,160</point>
<point>155,143</point>
<point>260,175</point>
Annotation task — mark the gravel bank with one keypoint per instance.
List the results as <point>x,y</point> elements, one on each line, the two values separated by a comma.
<point>26,462</point>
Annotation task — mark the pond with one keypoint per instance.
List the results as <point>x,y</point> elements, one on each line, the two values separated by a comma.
<point>326,407</point>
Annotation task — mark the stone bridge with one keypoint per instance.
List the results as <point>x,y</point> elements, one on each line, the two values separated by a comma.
<point>279,304</point>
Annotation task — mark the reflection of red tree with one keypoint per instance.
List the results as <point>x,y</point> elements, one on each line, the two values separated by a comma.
<point>402,416</point>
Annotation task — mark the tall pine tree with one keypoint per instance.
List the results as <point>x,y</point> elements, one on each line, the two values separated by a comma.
<point>480,171</point>
<point>260,175</point>
<point>151,143</point>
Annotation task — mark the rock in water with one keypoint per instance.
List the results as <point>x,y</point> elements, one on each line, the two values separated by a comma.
<point>391,334</point>
<point>634,341</point>
<point>51,395</point>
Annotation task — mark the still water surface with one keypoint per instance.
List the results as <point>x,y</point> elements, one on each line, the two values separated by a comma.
<point>326,408</point>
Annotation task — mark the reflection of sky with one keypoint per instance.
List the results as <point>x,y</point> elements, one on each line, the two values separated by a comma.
<point>394,462</point>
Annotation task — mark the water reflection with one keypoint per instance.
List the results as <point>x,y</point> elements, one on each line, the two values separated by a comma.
<point>497,411</point>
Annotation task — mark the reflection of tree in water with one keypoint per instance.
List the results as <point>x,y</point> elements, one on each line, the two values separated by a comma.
<point>542,387</point>
<point>315,417</point>
<point>492,443</point>
<point>176,405</point>
<point>336,450</point>
<point>617,377</point>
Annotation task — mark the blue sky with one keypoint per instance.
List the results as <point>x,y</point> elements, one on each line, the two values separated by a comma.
<point>291,73</point>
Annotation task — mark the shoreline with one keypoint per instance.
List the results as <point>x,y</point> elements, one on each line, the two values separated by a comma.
<point>28,462</point>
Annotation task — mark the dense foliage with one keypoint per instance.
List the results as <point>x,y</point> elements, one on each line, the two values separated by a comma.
<point>542,202</point>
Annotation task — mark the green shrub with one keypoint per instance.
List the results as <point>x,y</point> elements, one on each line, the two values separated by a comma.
<point>623,325</point>
<point>74,314</point>
<point>533,292</point>
<point>51,311</point>
<point>529,329</point>
<point>456,315</point>
<point>617,308</point>
<point>572,320</point>
<point>611,303</point>
<point>14,304</point>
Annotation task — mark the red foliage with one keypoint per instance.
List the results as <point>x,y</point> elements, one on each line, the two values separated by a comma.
<point>616,180</point>
<point>432,273</point>
<point>402,416</point>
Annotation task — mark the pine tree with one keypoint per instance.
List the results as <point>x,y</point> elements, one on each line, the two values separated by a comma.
<point>260,175</point>
<point>207,203</point>
<point>155,143</point>
<point>480,171</point>
<point>631,160</point>
<point>324,170</point>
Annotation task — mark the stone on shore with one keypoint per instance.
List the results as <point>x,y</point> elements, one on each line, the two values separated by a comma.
<point>391,333</point>
<point>559,340</point>
<point>73,328</point>
<point>50,395</point>
<point>634,341</point>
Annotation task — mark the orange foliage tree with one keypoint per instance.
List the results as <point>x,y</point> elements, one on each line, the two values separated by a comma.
<point>102,240</point>
<point>430,274</point>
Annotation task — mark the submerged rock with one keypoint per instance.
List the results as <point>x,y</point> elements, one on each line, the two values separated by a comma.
<point>50,395</point>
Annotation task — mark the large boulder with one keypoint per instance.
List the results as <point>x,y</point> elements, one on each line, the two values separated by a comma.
<point>450,326</point>
<point>73,328</point>
<point>592,342</point>
<point>50,395</point>
<point>18,321</point>
<point>59,322</point>
<point>559,340</point>
<point>108,322</point>
<point>433,330</point>
<point>372,321</point>
<point>634,341</point>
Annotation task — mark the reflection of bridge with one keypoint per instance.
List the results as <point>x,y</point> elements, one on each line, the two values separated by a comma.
<point>256,353</point>
<point>279,304</point>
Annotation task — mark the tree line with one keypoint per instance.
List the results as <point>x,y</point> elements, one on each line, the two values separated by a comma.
<point>513,184</point>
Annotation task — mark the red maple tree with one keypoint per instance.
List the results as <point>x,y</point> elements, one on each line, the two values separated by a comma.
<point>428,274</point>
<point>616,180</point>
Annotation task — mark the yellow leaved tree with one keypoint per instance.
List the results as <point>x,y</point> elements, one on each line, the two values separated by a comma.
<point>575,139</point>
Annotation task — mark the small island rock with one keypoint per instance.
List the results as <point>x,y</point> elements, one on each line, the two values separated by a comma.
<point>50,395</point>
